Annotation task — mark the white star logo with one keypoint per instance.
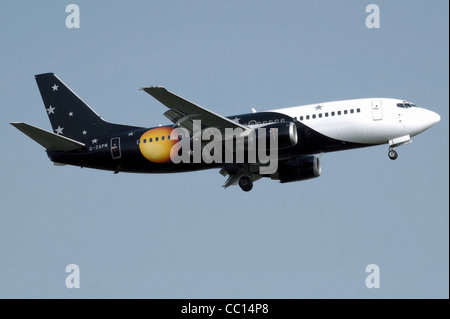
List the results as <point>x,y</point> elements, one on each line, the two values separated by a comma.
<point>55,87</point>
<point>94,141</point>
<point>131,134</point>
<point>236,119</point>
<point>318,107</point>
<point>59,130</point>
<point>70,113</point>
<point>50,109</point>
<point>84,132</point>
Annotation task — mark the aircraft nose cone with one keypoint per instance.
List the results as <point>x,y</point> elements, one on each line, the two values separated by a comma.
<point>422,120</point>
<point>429,118</point>
<point>434,118</point>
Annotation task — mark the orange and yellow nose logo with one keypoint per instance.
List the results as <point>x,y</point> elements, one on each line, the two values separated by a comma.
<point>156,144</point>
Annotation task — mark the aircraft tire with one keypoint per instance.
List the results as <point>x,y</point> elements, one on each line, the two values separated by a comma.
<point>393,154</point>
<point>245,183</point>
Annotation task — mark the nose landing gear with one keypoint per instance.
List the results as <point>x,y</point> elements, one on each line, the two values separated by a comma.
<point>392,154</point>
<point>397,142</point>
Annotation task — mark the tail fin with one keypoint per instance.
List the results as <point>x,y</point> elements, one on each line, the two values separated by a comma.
<point>69,115</point>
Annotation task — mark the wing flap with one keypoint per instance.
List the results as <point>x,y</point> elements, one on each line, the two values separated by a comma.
<point>49,140</point>
<point>173,115</point>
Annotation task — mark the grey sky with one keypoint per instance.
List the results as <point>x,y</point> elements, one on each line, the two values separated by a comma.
<point>182,235</point>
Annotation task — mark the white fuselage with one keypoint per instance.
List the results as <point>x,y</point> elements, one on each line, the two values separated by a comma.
<point>365,121</point>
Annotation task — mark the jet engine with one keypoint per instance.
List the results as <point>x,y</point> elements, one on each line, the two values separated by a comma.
<point>298,169</point>
<point>286,131</point>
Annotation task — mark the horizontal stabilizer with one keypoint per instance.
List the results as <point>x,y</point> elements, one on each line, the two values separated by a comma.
<point>51,141</point>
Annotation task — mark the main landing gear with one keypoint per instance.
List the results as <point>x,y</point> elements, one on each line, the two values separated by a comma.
<point>245,183</point>
<point>392,154</point>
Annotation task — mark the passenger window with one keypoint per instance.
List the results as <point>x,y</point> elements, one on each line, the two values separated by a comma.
<point>156,139</point>
<point>352,111</point>
<point>320,115</point>
<point>332,113</point>
<point>358,110</point>
<point>314,116</point>
<point>326,114</point>
<point>301,118</point>
<point>339,112</point>
<point>295,118</point>
<point>307,117</point>
<point>145,140</point>
<point>150,139</point>
<point>345,112</point>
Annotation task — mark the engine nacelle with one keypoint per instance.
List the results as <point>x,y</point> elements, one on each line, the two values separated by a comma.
<point>298,169</point>
<point>287,134</point>
<point>262,138</point>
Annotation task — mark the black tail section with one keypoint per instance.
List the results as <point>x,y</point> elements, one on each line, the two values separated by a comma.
<point>69,115</point>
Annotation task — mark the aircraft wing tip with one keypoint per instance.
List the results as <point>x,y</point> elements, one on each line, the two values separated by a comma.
<point>154,87</point>
<point>17,124</point>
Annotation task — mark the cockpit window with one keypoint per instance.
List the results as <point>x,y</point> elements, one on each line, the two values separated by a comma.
<point>405,105</point>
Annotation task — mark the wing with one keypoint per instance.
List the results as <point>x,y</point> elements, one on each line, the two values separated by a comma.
<point>182,112</point>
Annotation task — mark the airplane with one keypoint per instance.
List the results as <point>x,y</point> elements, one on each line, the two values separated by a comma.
<point>82,138</point>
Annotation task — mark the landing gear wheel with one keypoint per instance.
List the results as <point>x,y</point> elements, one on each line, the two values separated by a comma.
<point>245,183</point>
<point>393,154</point>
